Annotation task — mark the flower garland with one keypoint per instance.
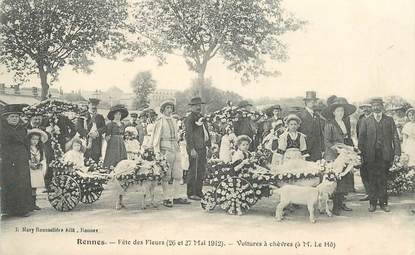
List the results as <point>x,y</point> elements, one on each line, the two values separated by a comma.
<point>230,114</point>
<point>149,167</point>
<point>51,107</point>
<point>401,177</point>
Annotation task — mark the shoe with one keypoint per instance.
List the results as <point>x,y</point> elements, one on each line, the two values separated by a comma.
<point>37,208</point>
<point>366,198</point>
<point>336,212</point>
<point>413,211</point>
<point>345,208</point>
<point>181,201</point>
<point>372,208</point>
<point>385,208</point>
<point>197,198</point>
<point>168,203</point>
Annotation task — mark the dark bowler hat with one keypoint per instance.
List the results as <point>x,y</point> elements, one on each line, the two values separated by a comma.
<point>376,100</point>
<point>13,109</point>
<point>244,103</point>
<point>94,101</point>
<point>117,108</point>
<point>340,101</point>
<point>331,99</point>
<point>310,95</point>
<point>196,101</point>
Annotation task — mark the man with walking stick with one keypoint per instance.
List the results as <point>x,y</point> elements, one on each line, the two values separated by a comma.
<point>197,139</point>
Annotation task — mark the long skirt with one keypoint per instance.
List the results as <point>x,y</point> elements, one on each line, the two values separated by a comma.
<point>16,193</point>
<point>115,151</point>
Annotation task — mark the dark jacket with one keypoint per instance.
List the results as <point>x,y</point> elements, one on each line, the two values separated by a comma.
<point>312,127</point>
<point>367,138</point>
<point>333,134</point>
<point>194,135</point>
<point>95,151</point>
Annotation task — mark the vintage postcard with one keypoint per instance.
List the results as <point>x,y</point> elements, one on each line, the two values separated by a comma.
<point>207,127</point>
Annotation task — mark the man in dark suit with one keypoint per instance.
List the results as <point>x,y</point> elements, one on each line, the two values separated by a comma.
<point>312,126</point>
<point>366,109</point>
<point>380,146</point>
<point>91,126</point>
<point>246,125</point>
<point>197,140</point>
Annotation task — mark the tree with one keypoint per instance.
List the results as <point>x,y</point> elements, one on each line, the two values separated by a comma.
<point>42,36</point>
<point>215,98</point>
<point>143,85</point>
<point>244,33</point>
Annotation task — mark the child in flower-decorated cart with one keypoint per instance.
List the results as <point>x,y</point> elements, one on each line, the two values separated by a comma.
<point>132,145</point>
<point>292,150</point>
<point>292,144</point>
<point>75,155</point>
<point>243,156</point>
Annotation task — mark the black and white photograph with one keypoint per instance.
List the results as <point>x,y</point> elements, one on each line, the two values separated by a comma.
<point>207,127</point>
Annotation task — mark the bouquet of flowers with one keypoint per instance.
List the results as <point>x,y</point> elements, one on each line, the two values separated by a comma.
<point>401,177</point>
<point>149,167</point>
<point>50,107</point>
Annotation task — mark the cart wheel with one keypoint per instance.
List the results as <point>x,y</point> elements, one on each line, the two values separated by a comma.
<point>235,195</point>
<point>208,201</point>
<point>64,193</point>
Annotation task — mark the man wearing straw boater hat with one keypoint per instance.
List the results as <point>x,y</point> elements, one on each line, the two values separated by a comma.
<point>197,139</point>
<point>92,126</point>
<point>312,126</point>
<point>380,146</point>
<point>165,141</point>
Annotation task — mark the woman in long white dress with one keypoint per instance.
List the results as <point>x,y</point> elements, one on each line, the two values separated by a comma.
<point>408,132</point>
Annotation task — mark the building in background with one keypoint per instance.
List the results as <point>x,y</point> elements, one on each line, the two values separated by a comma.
<point>14,94</point>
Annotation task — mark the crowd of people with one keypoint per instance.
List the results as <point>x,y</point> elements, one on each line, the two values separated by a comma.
<point>311,133</point>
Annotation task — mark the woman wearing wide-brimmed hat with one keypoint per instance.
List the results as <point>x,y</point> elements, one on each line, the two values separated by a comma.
<point>408,132</point>
<point>37,160</point>
<point>338,131</point>
<point>114,136</point>
<point>16,191</point>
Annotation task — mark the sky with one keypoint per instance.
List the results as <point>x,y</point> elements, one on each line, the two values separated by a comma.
<point>352,48</point>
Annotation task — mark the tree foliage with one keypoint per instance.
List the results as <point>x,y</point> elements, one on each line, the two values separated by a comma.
<point>143,85</point>
<point>42,36</point>
<point>215,98</point>
<point>244,33</point>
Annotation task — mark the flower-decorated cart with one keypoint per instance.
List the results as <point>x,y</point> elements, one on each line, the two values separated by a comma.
<point>70,185</point>
<point>237,191</point>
